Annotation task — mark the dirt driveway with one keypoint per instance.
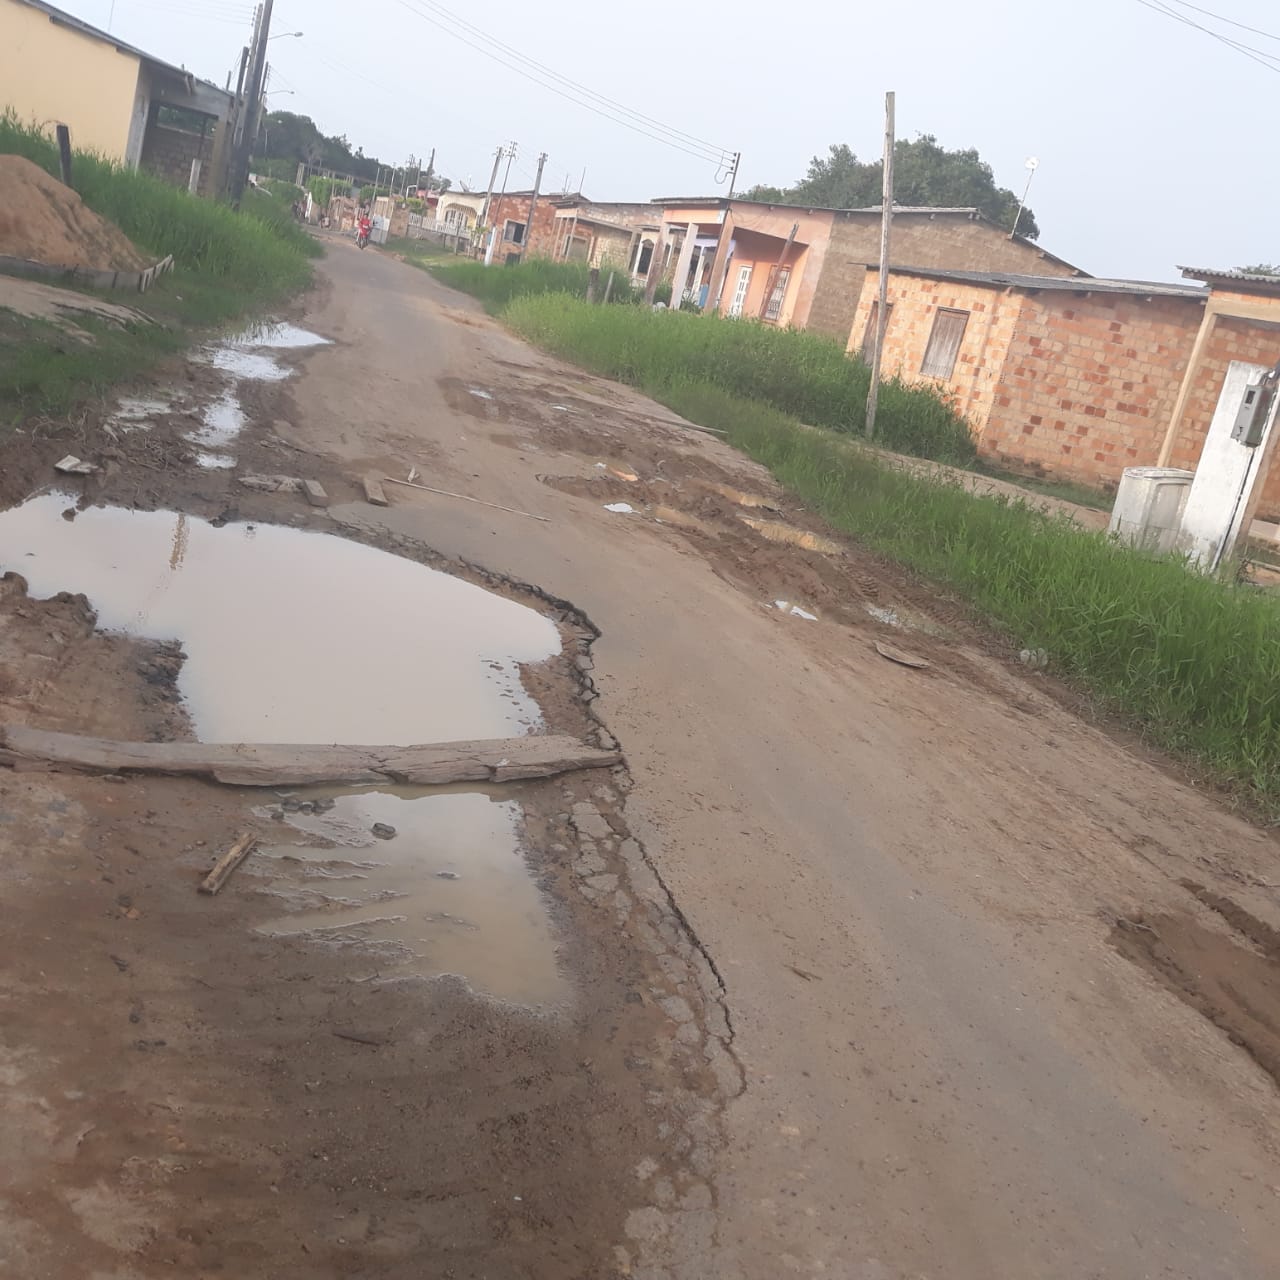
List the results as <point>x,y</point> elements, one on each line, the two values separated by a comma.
<point>914,972</point>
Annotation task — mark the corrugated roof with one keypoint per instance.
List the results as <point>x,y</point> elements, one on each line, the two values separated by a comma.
<point>1066,284</point>
<point>1236,276</point>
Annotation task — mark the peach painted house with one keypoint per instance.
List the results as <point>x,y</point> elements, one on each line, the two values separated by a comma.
<point>788,265</point>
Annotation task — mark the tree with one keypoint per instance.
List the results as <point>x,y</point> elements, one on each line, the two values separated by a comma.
<point>1263,269</point>
<point>924,174</point>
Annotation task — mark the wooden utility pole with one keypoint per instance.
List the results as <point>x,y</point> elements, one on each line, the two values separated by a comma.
<point>533,204</point>
<point>777,271</point>
<point>253,100</point>
<point>882,294</point>
<point>64,154</point>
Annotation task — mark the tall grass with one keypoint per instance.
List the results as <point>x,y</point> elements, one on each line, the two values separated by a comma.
<point>260,250</point>
<point>1192,661</point>
<point>498,285</point>
<point>801,374</point>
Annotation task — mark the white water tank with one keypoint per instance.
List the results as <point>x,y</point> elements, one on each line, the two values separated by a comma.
<point>1149,505</point>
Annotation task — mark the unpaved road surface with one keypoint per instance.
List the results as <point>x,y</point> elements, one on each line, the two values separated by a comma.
<point>880,973</point>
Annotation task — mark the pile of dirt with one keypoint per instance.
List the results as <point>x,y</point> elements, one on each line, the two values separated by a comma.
<point>43,221</point>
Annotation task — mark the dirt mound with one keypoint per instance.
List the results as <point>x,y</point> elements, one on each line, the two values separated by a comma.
<point>43,221</point>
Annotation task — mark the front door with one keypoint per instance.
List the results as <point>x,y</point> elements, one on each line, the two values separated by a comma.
<point>740,293</point>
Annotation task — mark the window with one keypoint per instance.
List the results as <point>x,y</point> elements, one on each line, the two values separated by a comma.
<point>944,343</point>
<point>779,278</point>
<point>513,232</point>
<point>869,337</point>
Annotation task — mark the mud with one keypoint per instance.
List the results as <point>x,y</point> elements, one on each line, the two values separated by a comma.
<point>1229,974</point>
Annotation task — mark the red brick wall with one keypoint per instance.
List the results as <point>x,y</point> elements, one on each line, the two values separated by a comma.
<point>168,154</point>
<point>1230,340</point>
<point>544,234</point>
<point>1089,385</point>
<point>950,242</point>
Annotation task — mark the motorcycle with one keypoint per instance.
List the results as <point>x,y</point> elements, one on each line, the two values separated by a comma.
<point>362,239</point>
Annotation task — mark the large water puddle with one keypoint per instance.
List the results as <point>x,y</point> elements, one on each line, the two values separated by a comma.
<point>293,636</point>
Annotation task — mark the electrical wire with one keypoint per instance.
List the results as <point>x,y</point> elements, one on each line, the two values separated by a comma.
<point>1268,60</point>
<point>510,51</point>
<point>1231,22</point>
<point>580,95</point>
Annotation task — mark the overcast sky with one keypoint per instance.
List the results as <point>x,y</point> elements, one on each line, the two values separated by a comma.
<point>1155,140</point>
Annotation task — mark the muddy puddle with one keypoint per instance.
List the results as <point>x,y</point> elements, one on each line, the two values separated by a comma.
<point>449,892</point>
<point>294,636</point>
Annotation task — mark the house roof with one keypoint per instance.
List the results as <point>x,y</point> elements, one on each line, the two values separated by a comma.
<point>969,213</point>
<point>1062,284</point>
<point>1245,281</point>
<point>59,17</point>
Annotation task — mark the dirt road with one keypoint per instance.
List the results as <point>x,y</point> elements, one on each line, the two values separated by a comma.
<point>918,973</point>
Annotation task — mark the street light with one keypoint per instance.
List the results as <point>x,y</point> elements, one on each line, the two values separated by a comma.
<point>283,35</point>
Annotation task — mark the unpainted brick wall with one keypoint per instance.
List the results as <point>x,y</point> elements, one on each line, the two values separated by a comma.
<point>168,154</point>
<point>953,242</point>
<point>543,236</point>
<point>1089,384</point>
<point>914,302</point>
<point>1230,340</point>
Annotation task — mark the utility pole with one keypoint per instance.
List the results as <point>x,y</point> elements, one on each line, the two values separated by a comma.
<point>882,294</point>
<point>253,100</point>
<point>431,168</point>
<point>533,204</point>
<point>733,172</point>
<point>488,195</point>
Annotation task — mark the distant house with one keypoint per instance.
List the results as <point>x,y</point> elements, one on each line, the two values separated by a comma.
<point>509,215</point>
<point>612,233</point>
<point>117,100</point>
<point>789,265</point>
<point>1077,379</point>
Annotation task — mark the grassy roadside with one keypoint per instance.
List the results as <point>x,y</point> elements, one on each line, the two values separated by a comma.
<point>800,374</point>
<point>229,265</point>
<point>1191,662</point>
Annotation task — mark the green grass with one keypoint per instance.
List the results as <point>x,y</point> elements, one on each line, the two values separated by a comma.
<point>1081,495</point>
<point>804,375</point>
<point>228,264</point>
<point>421,253</point>
<point>498,285</point>
<point>1193,662</point>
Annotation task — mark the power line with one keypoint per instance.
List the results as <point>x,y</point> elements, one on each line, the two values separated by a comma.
<point>1267,60</point>
<point>579,96</point>
<point>1231,22</point>
<point>574,85</point>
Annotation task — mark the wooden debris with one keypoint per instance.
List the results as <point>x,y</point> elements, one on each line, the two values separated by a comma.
<point>226,864</point>
<point>253,764</point>
<point>445,493</point>
<point>374,492</point>
<point>272,484</point>
<point>357,1037</point>
<point>901,657</point>
<point>315,493</point>
<point>73,466</point>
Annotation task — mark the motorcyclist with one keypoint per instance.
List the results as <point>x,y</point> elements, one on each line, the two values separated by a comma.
<point>365,228</point>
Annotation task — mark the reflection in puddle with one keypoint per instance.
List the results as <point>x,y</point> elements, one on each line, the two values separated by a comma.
<point>248,365</point>
<point>133,413</point>
<point>775,531</point>
<point>278,337</point>
<point>222,420</point>
<point>292,636</point>
<point>449,893</point>
<point>215,461</point>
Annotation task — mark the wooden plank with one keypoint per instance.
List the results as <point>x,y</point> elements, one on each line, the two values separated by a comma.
<point>446,493</point>
<point>374,492</point>
<point>315,493</point>
<point>226,864</point>
<point>252,764</point>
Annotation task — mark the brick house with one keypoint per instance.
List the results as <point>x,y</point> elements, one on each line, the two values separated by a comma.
<point>509,213</point>
<point>611,234</point>
<point>805,268</point>
<point>1077,379</point>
